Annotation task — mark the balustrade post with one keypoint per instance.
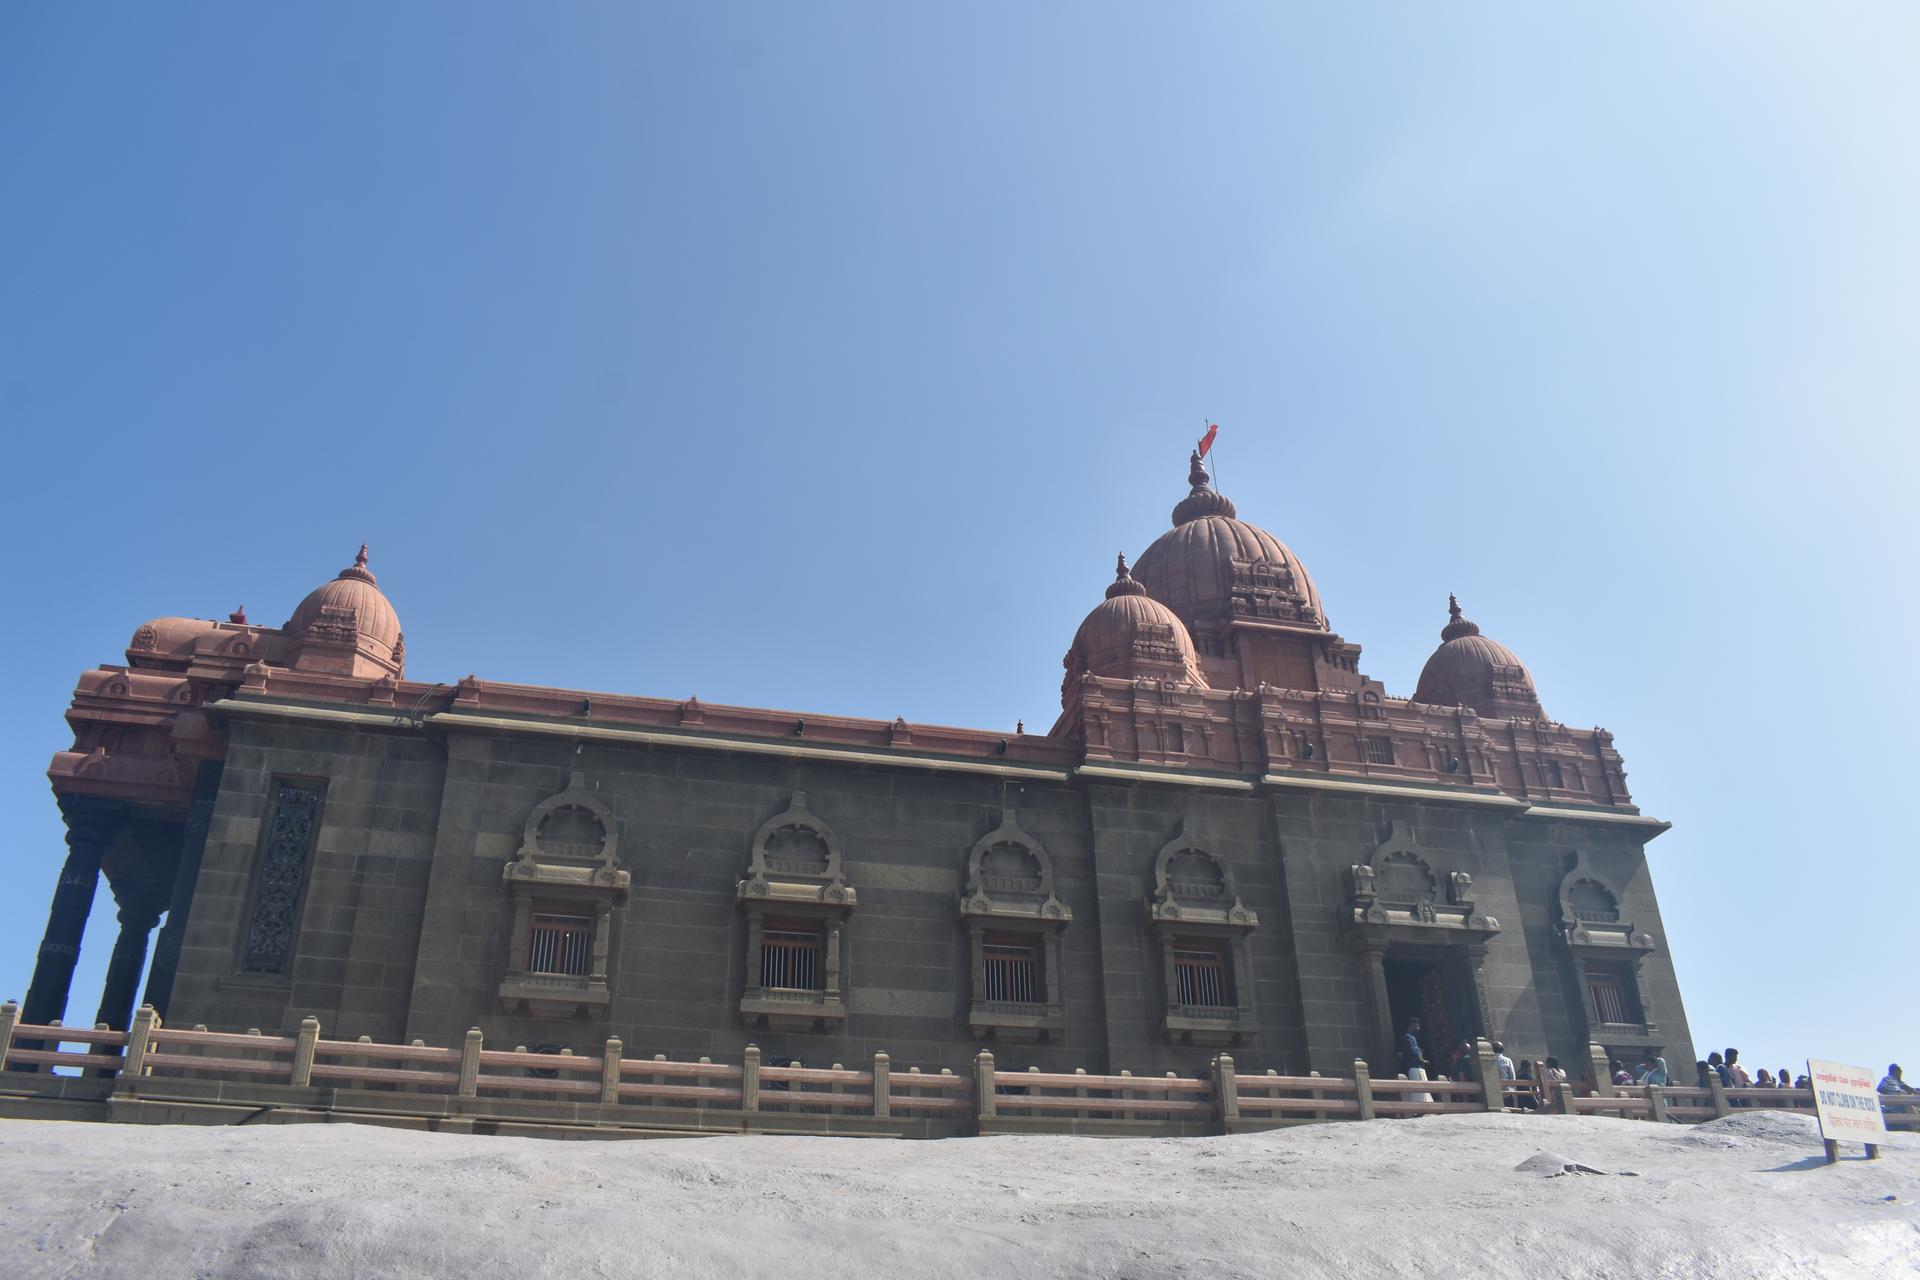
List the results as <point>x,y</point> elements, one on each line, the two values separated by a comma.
<point>1226,1092</point>
<point>1363,1088</point>
<point>303,1050</point>
<point>9,1019</point>
<point>1719,1092</point>
<point>1563,1094</point>
<point>470,1065</point>
<point>139,1044</point>
<point>1311,1093</point>
<point>1492,1092</point>
<point>610,1071</point>
<point>750,1078</point>
<point>983,1085</point>
<point>1656,1103</point>
<point>1602,1068</point>
<point>882,1086</point>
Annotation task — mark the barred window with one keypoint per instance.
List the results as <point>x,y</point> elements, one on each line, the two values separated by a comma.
<point>560,944</point>
<point>1611,999</point>
<point>790,959</point>
<point>1012,971</point>
<point>1199,978</point>
<point>1377,750</point>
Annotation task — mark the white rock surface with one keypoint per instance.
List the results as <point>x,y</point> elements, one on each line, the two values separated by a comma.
<point>1749,1196</point>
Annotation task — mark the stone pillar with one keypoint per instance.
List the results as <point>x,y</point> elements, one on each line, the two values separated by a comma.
<point>1372,954</point>
<point>141,902</point>
<point>91,828</point>
<point>1475,954</point>
<point>193,848</point>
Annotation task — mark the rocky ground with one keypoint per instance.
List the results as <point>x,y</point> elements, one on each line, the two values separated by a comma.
<point>1468,1196</point>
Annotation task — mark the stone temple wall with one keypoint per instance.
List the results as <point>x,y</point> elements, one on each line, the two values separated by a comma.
<point>404,928</point>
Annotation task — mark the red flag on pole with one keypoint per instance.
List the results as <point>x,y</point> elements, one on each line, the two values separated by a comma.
<point>1206,441</point>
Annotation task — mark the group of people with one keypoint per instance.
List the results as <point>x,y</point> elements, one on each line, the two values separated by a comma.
<point>1542,1078</point>
<point>1535,1080</point>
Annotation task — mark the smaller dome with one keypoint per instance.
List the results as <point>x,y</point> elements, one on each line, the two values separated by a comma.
<point>1130,634</point>
<point>348,607</point>
<point>1476,671</point>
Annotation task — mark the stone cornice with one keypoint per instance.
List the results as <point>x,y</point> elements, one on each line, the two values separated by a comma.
<point>574,730</point>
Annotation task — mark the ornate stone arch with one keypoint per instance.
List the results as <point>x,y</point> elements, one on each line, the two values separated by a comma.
<point>566,880</point>
<point>573,828</point>
<point>1197,914</point>
<point>795,889</point>
<point>1009,873</point>
<point>1190,883</point>
<point>794,849</point>
<point>1014,920</point>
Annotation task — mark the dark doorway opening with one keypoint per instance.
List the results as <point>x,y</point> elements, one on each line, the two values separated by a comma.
<point>1429,987</point>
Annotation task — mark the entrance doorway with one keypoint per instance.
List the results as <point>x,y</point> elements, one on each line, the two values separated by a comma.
<point>1429,987</point>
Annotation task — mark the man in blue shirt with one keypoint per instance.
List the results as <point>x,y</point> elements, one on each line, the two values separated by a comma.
<point>1410,1053</point>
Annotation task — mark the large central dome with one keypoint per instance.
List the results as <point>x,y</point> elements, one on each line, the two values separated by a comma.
<point>1214,567</point>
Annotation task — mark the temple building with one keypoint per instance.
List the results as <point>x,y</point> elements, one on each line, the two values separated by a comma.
<point>1232,837</point>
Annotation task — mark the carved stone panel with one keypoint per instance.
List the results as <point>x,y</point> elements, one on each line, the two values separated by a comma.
<point>283,876</point>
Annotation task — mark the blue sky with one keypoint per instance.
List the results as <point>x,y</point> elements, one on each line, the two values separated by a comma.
<point>822,357</point>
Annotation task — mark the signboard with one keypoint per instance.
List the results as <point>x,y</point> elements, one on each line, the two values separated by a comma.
<point>1847,1103</point>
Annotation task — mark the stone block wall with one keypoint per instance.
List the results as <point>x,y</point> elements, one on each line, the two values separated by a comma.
<point>404,930</point>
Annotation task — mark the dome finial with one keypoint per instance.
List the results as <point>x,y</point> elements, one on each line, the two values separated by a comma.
<point>1201,499</point>
<point>358,569</point>
<point>1123,583</point>
<point>1457,625</point>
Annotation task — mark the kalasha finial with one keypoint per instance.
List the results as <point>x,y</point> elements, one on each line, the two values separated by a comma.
<point>238,615</point>
<point>1457,626</point>
<point>1123,583</point>
<point>358,569</point>
<point>1202,500</point>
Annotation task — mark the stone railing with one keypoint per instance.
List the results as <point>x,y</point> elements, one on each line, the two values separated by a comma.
<point>163,1075</point>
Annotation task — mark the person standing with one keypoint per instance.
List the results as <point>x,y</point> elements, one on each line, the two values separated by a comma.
<point>1551,1078</point>
<point>1413,1059</point>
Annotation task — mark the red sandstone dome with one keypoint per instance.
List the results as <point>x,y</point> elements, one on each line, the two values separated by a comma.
<point>1472,670</point>
<point>1213,565</point>
<point>1129,635</point>
<point>349,615</point>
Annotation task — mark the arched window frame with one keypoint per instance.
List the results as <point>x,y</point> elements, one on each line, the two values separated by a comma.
<point>544,880</point>
<point>785,897</point>
<point>1037,917</point>
<point>1221,924</point>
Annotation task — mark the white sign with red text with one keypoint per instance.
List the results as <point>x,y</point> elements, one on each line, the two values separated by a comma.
<point>1848,1104</point>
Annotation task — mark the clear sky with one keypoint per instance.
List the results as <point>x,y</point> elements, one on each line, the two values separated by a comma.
<point>821,357</point>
